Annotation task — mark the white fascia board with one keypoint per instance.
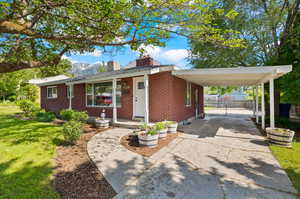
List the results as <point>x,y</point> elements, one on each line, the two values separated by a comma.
<point>51,83</point>
<point>119,76</point>
<point>125,75</point>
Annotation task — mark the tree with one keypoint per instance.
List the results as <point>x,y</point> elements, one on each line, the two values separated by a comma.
<point>290,53</point>
<point>62,68</point>
<point>38,33</point>
<point>266,27</point>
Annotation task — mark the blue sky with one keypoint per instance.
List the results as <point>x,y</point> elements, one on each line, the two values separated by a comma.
<point>174,52</point>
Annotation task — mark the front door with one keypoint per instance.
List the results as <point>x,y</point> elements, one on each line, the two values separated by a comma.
<point>139,97</point>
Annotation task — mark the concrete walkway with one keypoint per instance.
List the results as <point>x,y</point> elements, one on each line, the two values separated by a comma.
<point>214,159</point>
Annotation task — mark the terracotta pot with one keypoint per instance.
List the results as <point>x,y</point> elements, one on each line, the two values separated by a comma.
<point>281,137</point>
<point>148,140</point>
<point>172,128</point>
<point>100,123</point>
<point>163,133</point>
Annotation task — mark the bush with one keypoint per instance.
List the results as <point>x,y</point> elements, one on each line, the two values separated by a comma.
<point>69,115</point>
<point>43,116</point>
<point>160,126</point>
<point>80,117</point>
<point>28,107</point>
<point>72,131</point>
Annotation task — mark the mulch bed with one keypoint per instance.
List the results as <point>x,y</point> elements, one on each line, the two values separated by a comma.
<point>76,176</point>
<point>132,144</point>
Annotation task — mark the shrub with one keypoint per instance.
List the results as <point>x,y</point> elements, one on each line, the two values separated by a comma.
<point>160,126</point>
<point>67,114</point>
<point>72,131</point>
<point>28,107</point>
<point>80,117</point>
<point>43,116</point>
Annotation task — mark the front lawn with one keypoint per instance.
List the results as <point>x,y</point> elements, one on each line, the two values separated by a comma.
<point>289,159</point>
<point>27,149</point>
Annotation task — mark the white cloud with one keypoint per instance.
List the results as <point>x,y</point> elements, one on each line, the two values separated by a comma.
<point>174,55</point>
<point>95,53</point>
<point>68,58</point>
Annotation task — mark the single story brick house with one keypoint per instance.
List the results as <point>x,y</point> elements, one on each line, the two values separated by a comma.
<point>146,91</point>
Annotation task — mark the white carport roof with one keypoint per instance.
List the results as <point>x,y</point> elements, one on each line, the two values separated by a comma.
<point>239,76</point>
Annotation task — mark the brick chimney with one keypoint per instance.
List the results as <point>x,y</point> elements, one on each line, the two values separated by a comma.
<point>112,66</point>
<point>145,61</point>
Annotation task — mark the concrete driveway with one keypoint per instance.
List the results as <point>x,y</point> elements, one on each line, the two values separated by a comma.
<point>217,158</point>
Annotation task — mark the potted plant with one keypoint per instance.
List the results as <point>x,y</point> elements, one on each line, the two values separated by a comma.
<point>148,136</point>
<point>162,129</point>
<point>280,136</point>
<point>172,126</point>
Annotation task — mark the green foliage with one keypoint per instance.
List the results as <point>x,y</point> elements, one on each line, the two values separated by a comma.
<point>62,68</point>
<point>81,25</point>
<point>27,151</point>
<point>152,131</point>
<point>43,116</point>
<point>29,92</point>
<point>28,107</point>
<point>80,116</point>
<point>160,126</point>
<point>290,54</point>
<point>72,131</point>
<point>69,114</point>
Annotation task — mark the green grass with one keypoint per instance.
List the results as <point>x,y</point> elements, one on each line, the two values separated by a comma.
<point>27,149</point>
<point>289,159</point>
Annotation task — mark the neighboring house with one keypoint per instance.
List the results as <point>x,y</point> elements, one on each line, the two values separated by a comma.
<point>146,91</point>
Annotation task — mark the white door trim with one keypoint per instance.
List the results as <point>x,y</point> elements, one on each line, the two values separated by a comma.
<point>135,79</point>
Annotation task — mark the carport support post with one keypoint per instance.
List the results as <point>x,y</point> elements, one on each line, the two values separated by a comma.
<point>256,109</point>
<point>263,126</point>
<point>272,117</point>
<point>146,83</point>
<point>253,103</point>
<point>114,99</point>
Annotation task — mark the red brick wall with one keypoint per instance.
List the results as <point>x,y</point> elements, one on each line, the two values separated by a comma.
<point>79,101</point>
<point>57,104</point>
<point>166,99</point>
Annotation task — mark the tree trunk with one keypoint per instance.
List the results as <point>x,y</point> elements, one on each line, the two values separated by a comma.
<point>276,101</point>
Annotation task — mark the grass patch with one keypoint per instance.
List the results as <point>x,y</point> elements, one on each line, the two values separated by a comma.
<point>289,159</point>
<point>27,150</point>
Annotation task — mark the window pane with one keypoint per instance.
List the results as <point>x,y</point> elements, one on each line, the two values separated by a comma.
<point>89,89</point>
<point>49,92</point>
<point>54,92</point>
<point>141,85</point>
<point>188,94</point>
<point>103,94</point>
<point>119,94</point>
<point>89,99</point>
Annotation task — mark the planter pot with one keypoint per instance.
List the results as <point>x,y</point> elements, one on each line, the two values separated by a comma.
<point>162,133</point>
<point>100,123</point>
<point>172,128</point>
<point>148,140</point>
<point>281,137</point>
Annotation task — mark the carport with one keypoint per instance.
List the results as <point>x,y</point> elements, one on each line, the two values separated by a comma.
<point>240,76</point>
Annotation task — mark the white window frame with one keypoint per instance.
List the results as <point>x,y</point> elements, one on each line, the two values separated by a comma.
<point>93,96</point>
<point>188,102</point>
<point>52,92</point>
<point>68,88</point>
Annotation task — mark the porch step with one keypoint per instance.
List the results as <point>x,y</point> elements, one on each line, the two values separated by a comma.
<point>139,119</point>
<point>128,124</point>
